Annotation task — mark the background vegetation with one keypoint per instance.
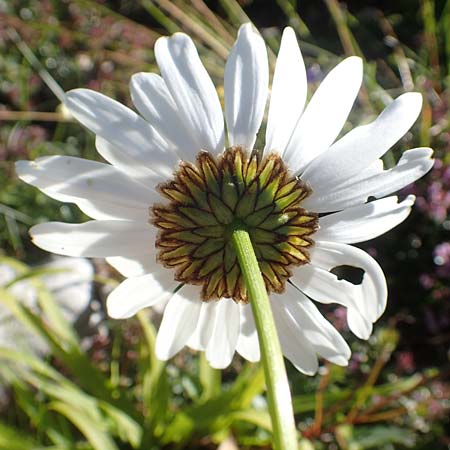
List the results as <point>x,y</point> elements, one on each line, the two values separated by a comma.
<point>107,391</point>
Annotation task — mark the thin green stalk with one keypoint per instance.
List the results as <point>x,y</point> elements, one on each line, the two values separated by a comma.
<point>278,393</point>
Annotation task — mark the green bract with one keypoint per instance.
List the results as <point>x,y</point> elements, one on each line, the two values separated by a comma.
<point>210,198</point>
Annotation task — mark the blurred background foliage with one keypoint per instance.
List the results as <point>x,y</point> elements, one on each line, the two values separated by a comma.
<point>107,391</point>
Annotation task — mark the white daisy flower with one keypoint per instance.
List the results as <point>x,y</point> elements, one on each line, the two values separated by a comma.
<point>177,181</point>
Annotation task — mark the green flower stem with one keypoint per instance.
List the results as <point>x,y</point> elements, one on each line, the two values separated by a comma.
<point>278,393</point>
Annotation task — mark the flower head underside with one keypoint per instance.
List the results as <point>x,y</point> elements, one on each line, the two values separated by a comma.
<point>211,198</point>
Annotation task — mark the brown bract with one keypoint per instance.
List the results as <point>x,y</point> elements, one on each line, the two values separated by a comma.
<point>210,198</point>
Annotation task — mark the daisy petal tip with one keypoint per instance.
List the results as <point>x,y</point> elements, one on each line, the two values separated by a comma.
<point>354,66</point>
<point>137,78</point>
<point>23,168</point>
<point>308,372</point>
<point>36,230</point>
<point>246,28</point>
<point>340,361</point>
<point>353,69</point>
<point>364,336</point>
<point>161,44</point>
<point>161,352</point>
<point>38,234</point>
<point>411,101</point>
<point>424,155</point>
<point>253,358</point>
<point>355,60</point>
<point>410,200</point>
<point>359,326</point>
<point>248,32</point>
<point>77,101</point>
<point>178,38</point>
<point>289,32</point>
<point>218,365</point>
<point>75,94</point>
<point>414,97</point>
<point>116,308</point>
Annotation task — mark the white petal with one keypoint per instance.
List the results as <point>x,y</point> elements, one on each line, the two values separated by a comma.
<point>359,148</point>
<point>248,343</point>
<point>124,128</point>
<point>124,162</point>
<point>178,322</point>
<point>412,165</point>
<point>205,325</point>
<point>372,292</point>
<point>246,87</point>
<point>137,293</point>
<point>295,347</point>
<point>289,89</point>
<point>363,222</point>
<point>96,238</point>
<point>160,306</point>
<point>325,114</point>
<point>153,100</point>
<point>325,287</point>
<point>222,344</point>
<point>192,90</point>
<point>358,324</point>
<point>134,266</point>
<point>375,168</point>
<point>100,190</point>
<point>322,336</point>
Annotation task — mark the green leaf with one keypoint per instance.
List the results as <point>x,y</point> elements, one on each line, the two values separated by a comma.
<point>375,437</point>
<point>155,387</point>
<point>126,428</point>
<point>256,417</point>
<point>95,431</point>
<point>13,439</point>
<point>31,274</point>
<point>210,379</point>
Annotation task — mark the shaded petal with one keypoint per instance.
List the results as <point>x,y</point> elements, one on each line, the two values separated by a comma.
<point>248,343</point>
<point>96,238</point>
<point>322,336</point>
<point>375,168</point>
<point>222,344</point>
<point>205,325</point>
<point>134,266</point>
<point>324,286</point>
<point>289,89</point>
<point>295,347</point>
<point>179,321</point>
<point>137,293</point>
<point>192,90</point>
<point>363,222</point>
<point>100,190</point>
<point>153,100</point>
<point>325,115</point>
<point>358,324</point>
<point>371,295</point>
<point>359,148</point>
<point>413,164</point>
<point>124,162</point>
<point>118,124</point>
<point>246,87</point>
